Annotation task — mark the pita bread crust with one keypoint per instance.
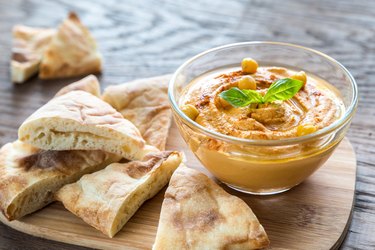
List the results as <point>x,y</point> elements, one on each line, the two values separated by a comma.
<point>29,176</point>
<point>78,120</point>
<point>153,89</point>
<point>107,199</point>
<point>145,103</point>
<point>28,47</point>
<point>71,52</point>
<point>198,214</point>
<point>89,84</point>
<point>152,122</point>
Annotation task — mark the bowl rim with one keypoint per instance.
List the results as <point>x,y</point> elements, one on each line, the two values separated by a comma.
<point>349,112</point>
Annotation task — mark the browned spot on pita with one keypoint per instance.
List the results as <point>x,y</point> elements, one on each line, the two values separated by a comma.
<point>19,57</point>
<point>138,169</point>
<point>204,221</point>
<point>73,15</point>
<point>48,159</point>
<point>64,161</point>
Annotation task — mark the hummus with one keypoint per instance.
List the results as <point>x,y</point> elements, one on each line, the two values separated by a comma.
<point>317,104</point>
<point>251,168</point>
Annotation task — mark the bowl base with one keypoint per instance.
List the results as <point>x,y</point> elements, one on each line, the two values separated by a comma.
<point>258,192</point>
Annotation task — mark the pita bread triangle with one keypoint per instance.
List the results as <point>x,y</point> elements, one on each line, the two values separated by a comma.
<point>89,84</point>
<point>197,213</point>
<point>30,176</point>
<point>144,102</point>
<point>79,120</point>
<point>71,52</point>
<point>28,47</point>
<point>108,198</point>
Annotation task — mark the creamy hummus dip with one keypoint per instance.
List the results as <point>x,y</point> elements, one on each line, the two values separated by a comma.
<point>251,168</point>
<point>317,104</point>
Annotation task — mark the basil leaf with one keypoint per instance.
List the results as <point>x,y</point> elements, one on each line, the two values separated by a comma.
<point>235,97</point>
<point>282,90</point>
<point>240,98</point>
<point>254,96</point>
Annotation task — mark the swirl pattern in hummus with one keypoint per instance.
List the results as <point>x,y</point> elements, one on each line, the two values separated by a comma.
<point>317,103</point>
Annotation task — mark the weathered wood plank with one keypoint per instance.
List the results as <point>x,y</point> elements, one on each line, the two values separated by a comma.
<point>145,38</point>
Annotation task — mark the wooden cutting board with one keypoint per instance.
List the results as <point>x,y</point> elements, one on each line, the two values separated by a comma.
<point>313,215</point>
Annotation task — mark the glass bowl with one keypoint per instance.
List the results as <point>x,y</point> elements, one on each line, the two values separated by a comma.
<point>263,166</point>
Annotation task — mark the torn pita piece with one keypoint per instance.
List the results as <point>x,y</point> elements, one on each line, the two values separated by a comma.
<point>79,120</point>
<point>107,199</point>
<point>71,52</point>
<point>29,176</point>
<point>145,103</point>
<point>197,213</point>
<point>29,45</point>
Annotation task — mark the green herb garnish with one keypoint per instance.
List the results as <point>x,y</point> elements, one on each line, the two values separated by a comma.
<point>281,90</point>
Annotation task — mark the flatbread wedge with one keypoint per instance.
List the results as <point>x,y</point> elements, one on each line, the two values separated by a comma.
<point>89,84</point>
<point>198,214</point>
<point>108,198</point>
<point>28,47</point>
<point>71,52</point>
<point>145,103</point>
<point>80,121</point>
<point>29,177</point>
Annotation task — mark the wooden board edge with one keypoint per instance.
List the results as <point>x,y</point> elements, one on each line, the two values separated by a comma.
<point>340,240</point>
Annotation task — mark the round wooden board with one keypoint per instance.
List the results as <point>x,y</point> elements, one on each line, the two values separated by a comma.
<point>313,215</point>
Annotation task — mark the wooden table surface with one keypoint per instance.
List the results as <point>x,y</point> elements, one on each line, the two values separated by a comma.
<point>145,38</point>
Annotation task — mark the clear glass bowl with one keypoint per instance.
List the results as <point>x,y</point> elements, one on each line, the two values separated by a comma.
<point>263,166</point>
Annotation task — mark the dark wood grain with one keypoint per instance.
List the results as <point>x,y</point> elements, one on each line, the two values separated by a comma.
<point>145,38</point>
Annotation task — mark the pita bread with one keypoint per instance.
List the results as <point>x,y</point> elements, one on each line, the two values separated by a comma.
<point>29,45</point>
<point>29,177</point>
<point>80,121</point>
<point>145,103</point>
<point>198,214</point>
<point>107,199</point>
<point>89,84</point>
<point>71,52</point>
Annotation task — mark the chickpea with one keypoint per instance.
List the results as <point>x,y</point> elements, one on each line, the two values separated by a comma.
<point>247,82</point>
<point>300,76</point>
<point>199,120</point>
<point>190,111</point>
<point>305,129</point>
<point>249,66</point>
<point>224,103</point>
